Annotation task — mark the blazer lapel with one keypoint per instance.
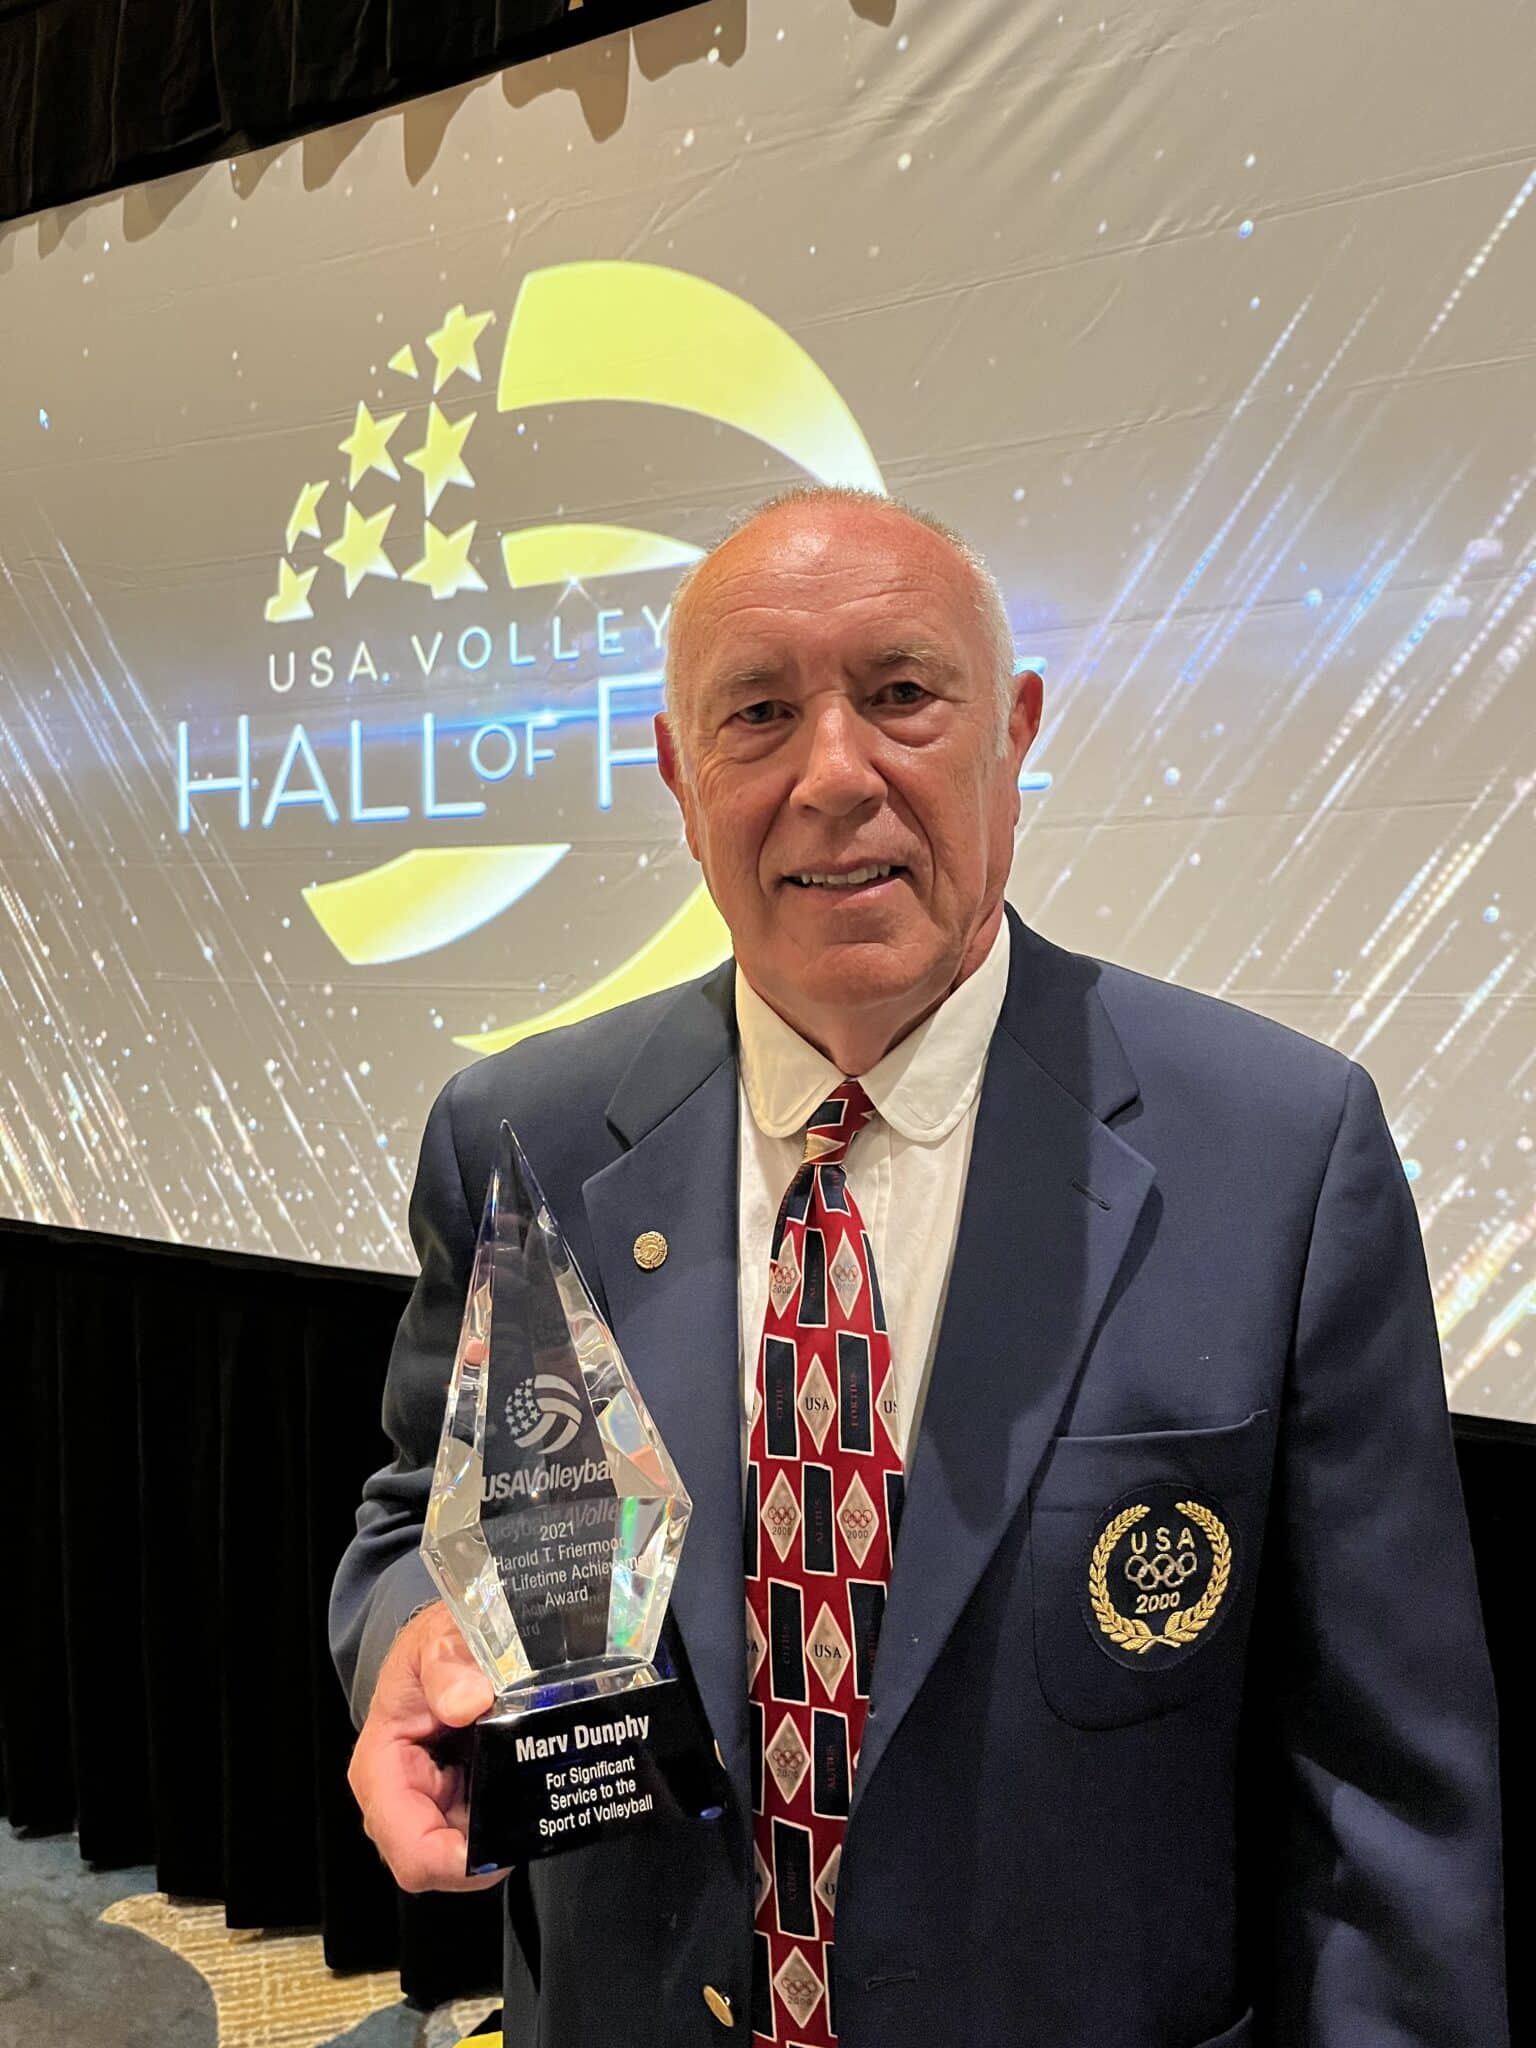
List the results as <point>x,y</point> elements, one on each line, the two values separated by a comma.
<point>677,1325</point>
<point>1052,1197</point>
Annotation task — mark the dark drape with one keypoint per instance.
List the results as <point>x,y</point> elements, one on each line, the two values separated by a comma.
<point>1498,1472</point>
<point>184,1442</point>
<point>99,93</point>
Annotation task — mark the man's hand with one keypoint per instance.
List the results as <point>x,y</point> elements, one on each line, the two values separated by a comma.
<point>414,1809</point>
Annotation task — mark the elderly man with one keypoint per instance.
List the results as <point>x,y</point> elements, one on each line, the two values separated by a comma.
<point>1097,1660</point>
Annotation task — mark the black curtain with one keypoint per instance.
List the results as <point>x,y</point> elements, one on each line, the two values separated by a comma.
<point>185,1438</point>
<point>99,93</point>
<point>1498,1473</point>
<point>185,1441</point>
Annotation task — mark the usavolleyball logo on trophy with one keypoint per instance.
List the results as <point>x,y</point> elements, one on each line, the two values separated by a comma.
<point>1160,1576</point>
<point>543,1413</point>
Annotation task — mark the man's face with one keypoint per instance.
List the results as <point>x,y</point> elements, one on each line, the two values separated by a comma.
<point>836,758</point>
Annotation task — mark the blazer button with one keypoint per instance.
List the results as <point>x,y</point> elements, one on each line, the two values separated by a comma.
<point>719,2005</point>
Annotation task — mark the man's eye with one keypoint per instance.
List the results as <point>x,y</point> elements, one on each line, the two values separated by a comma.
<point>904,691</point>
<point>758,714</point>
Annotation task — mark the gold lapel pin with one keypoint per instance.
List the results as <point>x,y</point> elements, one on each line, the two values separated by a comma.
<point>650,1250</point>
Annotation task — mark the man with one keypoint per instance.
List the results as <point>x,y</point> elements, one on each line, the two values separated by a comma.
<point>1167,1713</point>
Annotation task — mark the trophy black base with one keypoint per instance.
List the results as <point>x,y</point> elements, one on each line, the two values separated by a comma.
<point>546,1779</point>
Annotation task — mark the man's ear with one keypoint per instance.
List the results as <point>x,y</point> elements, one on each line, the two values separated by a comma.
<point>1024,715</point>
<point>669,760</point>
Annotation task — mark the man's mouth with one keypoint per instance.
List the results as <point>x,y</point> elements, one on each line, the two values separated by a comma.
<point>845,878</point>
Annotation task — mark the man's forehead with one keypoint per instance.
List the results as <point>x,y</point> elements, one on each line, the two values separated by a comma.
<point>867,586</point>
<point>856,594</point>
<point>731,660</point>
<point>836,545</point>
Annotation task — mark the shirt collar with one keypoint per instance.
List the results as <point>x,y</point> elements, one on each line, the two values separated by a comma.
<point>922,1087</point>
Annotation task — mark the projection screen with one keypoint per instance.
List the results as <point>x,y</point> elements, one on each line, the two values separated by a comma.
<point>343,488</point>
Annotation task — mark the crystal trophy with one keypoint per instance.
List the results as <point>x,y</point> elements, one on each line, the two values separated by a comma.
<point>553,1532</point>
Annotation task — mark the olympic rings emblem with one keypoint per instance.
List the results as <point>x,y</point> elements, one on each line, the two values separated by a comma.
<point>1152,1574</point>
<point>1145,1570</point>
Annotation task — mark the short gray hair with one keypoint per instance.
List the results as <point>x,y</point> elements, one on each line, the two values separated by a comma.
<point>991,611</point>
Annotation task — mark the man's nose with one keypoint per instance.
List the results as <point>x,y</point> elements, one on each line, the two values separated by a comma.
<point>838,774</point>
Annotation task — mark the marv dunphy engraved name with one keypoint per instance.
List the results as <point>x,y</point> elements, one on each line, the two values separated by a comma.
<point>606,1735</point>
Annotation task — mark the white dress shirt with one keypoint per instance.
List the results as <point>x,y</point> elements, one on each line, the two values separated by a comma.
<point>906,1168</point>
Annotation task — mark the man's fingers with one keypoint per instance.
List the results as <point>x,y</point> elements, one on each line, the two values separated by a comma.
<point>446,1785</point>
<point>414,1807</point>
<point>457,1698</point>
<point>457,1690</point>
<point>424,1850</point>
<point>430,1680</point>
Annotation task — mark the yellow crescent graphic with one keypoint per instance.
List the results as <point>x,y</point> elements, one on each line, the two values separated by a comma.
<point>653,336</point>
<point>425,898</point>
<point>571,554</point>
<point>641,333</point>
<point>693,939</point>
<point>644,334</point>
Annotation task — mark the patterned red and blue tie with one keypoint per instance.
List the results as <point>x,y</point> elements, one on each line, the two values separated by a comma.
<point>824,1485</point>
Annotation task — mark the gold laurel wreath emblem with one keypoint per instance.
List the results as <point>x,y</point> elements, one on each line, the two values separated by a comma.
<point>1182,1626</point>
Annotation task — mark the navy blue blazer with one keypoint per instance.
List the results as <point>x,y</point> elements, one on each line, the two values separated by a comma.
<point>1188,1267</point>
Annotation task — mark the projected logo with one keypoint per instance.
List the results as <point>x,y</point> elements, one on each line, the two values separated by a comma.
<point>631,333</point>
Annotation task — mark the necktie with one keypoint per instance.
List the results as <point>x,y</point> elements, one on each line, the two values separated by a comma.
<point>824,1483</point>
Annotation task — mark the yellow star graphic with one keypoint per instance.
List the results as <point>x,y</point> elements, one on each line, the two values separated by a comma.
<point>454,345</point>
<point>441,457</point>
<point>305,516</point>
<point>292,599</point>
<point>360,551</point>
<point>368,446</point>
<point>404,360</point>
<point>445,564</point>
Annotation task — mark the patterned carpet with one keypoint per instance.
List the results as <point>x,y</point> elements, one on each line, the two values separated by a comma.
<point>91,1960</point>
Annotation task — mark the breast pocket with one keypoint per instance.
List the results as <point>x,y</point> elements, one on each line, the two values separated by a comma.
<point>1144,1552</point>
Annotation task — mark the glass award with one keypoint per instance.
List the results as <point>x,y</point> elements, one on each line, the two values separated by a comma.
<point>553,1532</point>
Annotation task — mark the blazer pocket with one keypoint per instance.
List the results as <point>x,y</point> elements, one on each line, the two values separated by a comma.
<point>1143,1552</point>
